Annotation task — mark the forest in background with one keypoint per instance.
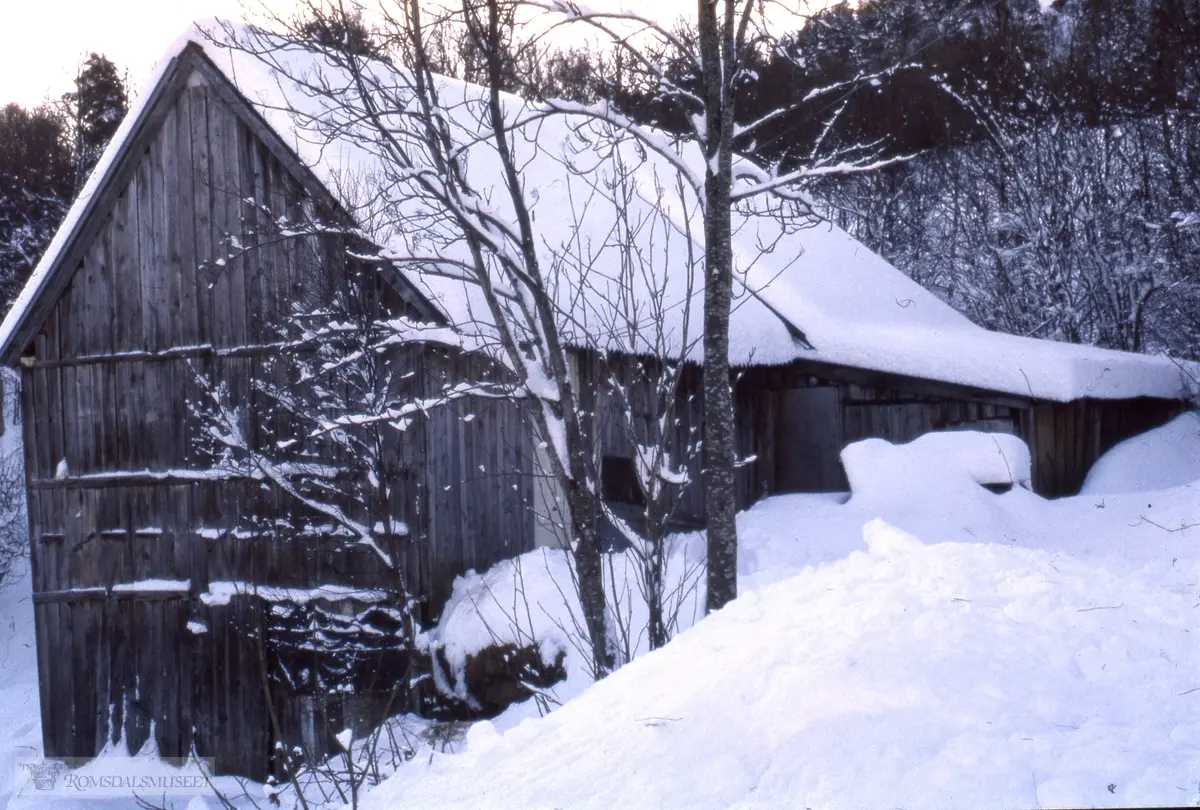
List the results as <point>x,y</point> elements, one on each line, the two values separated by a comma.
<point>46,155</point>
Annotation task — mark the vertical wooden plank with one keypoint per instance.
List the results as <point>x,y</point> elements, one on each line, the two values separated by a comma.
<point>262,317</point>
<point>181,191</point>
<point>86,627</point>
<point>1046,440</point>
<point>119,667</point>
<point>234,191</point>
<point>46,641</point>
<point>68,323</point>
<point>196,96</point>
<point>177,195</point>
<point>63,688</point>
<point>70,426</point>
<point>126,278</point>
<point>148,289</point>
<point>219,270</point>
<point>217,274</point>
<point>278,195</point>
<point>1062,447</point>
<point>35,405</point>
<point>90,392</point>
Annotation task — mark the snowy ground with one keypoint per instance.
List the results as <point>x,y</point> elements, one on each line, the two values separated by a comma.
<point>20,719</point>
<point>926,643</point>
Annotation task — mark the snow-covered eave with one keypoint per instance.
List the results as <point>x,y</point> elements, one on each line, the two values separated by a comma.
<point>53,271</point>
<point>1023,369</point>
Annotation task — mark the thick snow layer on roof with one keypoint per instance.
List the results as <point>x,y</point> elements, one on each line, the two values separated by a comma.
<point>851,306</point>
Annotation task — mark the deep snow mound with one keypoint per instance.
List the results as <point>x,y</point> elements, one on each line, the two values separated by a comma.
<point>1165,457</point>
<point>945,457</point>
<point>948,675</point>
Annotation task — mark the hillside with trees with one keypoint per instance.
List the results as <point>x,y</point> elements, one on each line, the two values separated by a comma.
<point>1047,180</point>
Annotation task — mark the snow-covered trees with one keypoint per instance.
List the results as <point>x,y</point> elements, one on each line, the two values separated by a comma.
<point>93,111</point>
<point>1058,229</point>
<point>699,77</point>
<point>46,155</point>
<point>36,180</point>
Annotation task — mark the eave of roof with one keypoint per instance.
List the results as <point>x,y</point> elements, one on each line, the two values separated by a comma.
<point>50,278</point>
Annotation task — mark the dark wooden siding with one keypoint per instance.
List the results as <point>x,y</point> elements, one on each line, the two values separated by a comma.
<point>1066,439</point>
<point>793,421</point>
<point>188,275</point>
<point>480,484</point>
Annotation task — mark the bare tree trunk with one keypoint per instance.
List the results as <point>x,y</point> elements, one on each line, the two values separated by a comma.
<point>581,498</point>
<point>581,503</point>
<point>716,56</point>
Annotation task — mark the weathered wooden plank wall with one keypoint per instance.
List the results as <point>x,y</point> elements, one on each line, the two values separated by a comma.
<point>1066,439</point>
<point>162,294</point>
<point>784,448</point>
<point>479,476</point>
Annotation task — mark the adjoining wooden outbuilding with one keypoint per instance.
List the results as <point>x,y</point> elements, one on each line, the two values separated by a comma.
<point>151,593</point>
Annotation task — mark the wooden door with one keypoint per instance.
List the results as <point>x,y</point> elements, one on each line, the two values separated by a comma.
<point>809,440</point>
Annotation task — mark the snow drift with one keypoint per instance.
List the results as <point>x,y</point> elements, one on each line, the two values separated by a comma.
<point>952,675</point>
<point>1168,456</point>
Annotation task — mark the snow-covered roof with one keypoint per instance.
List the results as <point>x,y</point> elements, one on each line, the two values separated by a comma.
<point>802,293</point>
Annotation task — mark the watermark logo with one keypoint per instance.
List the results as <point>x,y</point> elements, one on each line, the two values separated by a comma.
<point>44,774</point>
<point>113,777</point>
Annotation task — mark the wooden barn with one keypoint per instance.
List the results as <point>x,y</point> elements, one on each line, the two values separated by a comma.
<point>155,573</point>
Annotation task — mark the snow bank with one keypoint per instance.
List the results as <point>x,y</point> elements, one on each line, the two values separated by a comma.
<point>907,674</point>
<point>935,484</point>
<point>1021,652</point>
<point>1168,456</point>
<point>877,466</point>
<point>20,726</point>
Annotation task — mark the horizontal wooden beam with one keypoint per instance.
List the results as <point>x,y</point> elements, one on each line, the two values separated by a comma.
<point>102,594</point>
<point>173,353</point>
<point>134,479</point>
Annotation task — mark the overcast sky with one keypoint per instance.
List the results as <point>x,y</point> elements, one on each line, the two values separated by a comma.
<point>43,41</point>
